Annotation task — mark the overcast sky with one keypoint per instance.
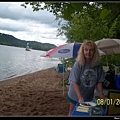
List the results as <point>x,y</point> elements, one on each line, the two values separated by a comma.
<point>25,24</point>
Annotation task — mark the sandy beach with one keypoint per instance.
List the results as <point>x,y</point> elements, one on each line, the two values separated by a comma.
<point>34,94</point>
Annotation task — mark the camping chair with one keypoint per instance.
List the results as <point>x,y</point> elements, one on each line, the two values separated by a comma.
<point>110,79</point>
<point>113,103</point>
<point>61,68</point>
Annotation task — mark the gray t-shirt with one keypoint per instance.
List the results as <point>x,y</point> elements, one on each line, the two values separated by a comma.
<point>87,77</point>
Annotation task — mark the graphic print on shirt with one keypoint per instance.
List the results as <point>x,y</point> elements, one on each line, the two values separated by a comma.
<point>89,78</point>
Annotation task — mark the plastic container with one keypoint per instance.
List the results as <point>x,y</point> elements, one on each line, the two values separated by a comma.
<point>118,82</point>
<point>116,69</point>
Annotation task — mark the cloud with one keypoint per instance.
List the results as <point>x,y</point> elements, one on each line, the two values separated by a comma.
<point>25,24</point>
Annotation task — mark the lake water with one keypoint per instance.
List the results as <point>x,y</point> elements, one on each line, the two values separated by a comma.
<point>15,61</point>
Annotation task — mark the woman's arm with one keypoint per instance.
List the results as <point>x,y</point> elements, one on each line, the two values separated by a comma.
<point>100,90</point>
<point>77,90</point>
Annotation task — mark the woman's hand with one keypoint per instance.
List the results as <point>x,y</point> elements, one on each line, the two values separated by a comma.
<point>102,96</point>
<point>77,90</point>
<point>81,100</point>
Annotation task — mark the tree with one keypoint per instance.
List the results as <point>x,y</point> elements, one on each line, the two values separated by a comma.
<point>84,20</point>
<point>95,16</point>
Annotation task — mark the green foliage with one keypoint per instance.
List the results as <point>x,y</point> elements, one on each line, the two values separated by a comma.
<point>112,31</point>
<point>87,25</point>
<point>68,62</point>
<point>65,83</point>
<point>104,13</point>
<point>86,21</point>
<point>112,60</point>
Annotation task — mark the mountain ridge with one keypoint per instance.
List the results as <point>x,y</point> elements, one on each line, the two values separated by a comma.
<point>10,40</point>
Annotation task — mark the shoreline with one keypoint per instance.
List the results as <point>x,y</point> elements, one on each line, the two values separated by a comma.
<point>23,74</point>
<point>34,94</point>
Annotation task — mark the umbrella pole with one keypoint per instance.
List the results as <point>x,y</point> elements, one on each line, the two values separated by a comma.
<point>107,61</point>
<point>63,83</point>
<point>63,79</point>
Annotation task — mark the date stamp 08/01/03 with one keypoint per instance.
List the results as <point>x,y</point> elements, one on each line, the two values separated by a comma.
<point>115,102</point>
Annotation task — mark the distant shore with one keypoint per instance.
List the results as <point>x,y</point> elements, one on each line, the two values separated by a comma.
<point>34,94</point>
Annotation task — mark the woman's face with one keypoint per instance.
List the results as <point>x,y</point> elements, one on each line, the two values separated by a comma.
<point>88,51</point>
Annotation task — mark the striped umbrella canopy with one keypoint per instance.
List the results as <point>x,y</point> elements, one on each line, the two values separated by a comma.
<point>69,50</point>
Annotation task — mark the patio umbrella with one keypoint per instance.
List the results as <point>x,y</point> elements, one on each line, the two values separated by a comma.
<point>109,46</point>
<point>68,50</point>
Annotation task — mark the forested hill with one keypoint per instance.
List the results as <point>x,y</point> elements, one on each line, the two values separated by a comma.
<point>10,40</point>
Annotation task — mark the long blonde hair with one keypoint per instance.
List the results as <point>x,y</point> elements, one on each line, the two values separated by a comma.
<point>81,58</point>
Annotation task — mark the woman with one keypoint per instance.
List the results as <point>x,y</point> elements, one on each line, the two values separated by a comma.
<point>86,75</point>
